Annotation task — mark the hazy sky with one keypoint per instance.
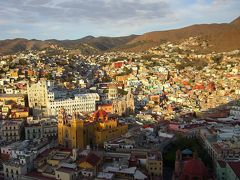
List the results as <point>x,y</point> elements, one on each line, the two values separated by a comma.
<point>73,19</point>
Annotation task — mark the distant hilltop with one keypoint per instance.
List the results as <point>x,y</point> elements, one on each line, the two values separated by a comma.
<point>221,37</point>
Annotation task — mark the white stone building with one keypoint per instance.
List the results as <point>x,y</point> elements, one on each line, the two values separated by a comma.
<point>37,93</point>
<point>14,168</point>
<point>45,94</point>
<point>79,103</point>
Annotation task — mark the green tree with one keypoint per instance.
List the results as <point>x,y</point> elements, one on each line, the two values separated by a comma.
<point>23,62</point>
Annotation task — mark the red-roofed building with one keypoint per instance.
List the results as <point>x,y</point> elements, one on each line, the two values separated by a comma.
<point>118,64</point>
<point>185,83</point>
<point>100,115</point>
<point>199,87</point>
<point>106,107</point>
<point>192,168</point>
<point>211,87</point>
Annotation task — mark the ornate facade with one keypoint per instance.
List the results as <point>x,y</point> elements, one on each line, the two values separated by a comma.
<point>37,93</point>
<point>78,132</point>
<point>124,105</point>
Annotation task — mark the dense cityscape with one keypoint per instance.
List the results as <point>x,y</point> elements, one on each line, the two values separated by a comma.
<point>166,113</point>
<point>119,90</point>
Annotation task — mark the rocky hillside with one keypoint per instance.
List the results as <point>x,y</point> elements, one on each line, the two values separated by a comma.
<point>220,37</point>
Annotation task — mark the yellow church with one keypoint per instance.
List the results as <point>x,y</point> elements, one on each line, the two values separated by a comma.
<point>78,132</point>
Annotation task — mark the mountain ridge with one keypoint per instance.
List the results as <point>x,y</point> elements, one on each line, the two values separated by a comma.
<point>221,37</point>
<point>236,21</point>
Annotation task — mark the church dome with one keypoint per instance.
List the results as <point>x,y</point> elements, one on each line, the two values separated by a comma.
<point>194,168</point>
<point>100,115</point>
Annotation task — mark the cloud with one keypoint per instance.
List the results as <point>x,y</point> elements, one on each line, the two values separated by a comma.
<point>38,2</point>
<point>122,16</point>
<point>75,18</point>
<point>15,31</point>
<point>87,10</point>
<point>206,11</point>
<point>3,21</point>
<point>28,11</point>
<point>219,2</point>
<point>112,10</point>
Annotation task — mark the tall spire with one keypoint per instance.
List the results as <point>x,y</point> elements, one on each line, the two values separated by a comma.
<point>62,115</point>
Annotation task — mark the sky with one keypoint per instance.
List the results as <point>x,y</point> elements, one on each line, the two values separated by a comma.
<point>74,19</point>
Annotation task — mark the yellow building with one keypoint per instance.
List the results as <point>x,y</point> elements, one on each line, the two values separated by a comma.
<point>19,99</point>
<point>19,113</point>
<point>109,130</point>
<point>78,133</point>
<point>122,78</point>
<point>60,70</point>
<point>14,73</point>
